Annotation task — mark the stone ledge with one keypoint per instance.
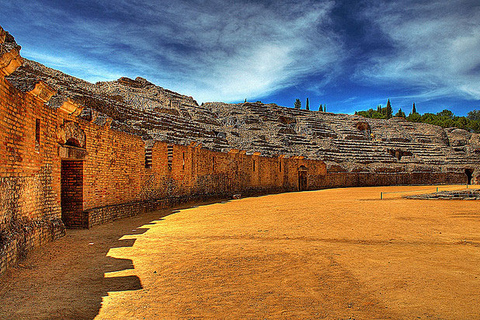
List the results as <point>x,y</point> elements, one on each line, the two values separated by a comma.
<point>448,195</point>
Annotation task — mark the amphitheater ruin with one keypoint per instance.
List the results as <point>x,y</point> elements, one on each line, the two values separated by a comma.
<point>75,154</point>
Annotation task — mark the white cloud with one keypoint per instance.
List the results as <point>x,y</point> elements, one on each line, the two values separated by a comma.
<point>245,49</point>
<point>212,50</point>
<point>435,47</point>
<point>68,64</point>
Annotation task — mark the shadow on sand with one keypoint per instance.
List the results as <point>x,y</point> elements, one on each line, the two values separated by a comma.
<point>66,279</point>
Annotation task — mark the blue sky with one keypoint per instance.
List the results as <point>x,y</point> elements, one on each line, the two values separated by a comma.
<point>349,55</point>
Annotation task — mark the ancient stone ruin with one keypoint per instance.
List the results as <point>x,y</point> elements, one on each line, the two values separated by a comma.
<point>448,195</point>
<point>75,154</point>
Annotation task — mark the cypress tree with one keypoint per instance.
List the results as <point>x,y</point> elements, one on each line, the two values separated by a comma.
<point>388,111</point>
<point>320,108</point>
<point>414,110</point>
<point>308,105</point>
<point>298,104</point>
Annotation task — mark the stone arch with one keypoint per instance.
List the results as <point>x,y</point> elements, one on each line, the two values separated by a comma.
<point>469,174</point>
<point>71,134</point>
<point>73,142</point>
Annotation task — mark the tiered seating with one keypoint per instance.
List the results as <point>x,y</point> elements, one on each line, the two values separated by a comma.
<point>139,107</point>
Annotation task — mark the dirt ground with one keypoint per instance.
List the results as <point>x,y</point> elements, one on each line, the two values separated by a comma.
<point>328,254</point>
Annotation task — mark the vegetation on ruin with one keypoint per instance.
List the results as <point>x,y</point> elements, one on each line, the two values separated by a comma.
<point>445,118</point>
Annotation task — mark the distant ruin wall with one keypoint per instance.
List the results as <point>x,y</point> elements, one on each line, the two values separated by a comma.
<point>354,179</point>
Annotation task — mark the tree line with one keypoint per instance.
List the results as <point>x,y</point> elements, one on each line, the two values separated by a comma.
<point>445,118</point>
<point>298,105</point>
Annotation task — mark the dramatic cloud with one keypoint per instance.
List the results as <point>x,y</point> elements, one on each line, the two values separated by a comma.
<point>347,54</point>
<point>213,50</point>
<point>435,47</point>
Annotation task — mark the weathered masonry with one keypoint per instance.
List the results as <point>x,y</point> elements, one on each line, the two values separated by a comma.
<point>63,166</point>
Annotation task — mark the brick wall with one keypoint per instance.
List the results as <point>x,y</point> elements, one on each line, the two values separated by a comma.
<point>30,212</point>
<point>114,168</point>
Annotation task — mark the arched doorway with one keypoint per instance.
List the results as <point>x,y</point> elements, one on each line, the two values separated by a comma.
<point>302,178</point>
<point>469,173</point>
<point>72,152</point>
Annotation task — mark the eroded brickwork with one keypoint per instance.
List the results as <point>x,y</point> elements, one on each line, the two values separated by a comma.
<point>29,176</point>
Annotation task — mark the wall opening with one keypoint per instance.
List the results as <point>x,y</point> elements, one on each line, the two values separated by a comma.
<point>170,157</point>
<point>253,165</point>
<point>37,131</point>
<point>302,178</point>
<point>37,135</point>
<point>469,173</point>
<point>148,156</point>
<point>73,142</point>
<point>72,194</point>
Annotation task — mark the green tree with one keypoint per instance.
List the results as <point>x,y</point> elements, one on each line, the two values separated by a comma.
<point>461,122</point>
<point>320,108</point>
<point>308,105</point>
<point>414,110</point>
<point>298,104</point>
<point>474,125</point>
<point>445,118</point>
<point>400,113</point>
<point>414,117</point>
<point>474,115</point>
<point>388,110</point>
<point>446,114</point>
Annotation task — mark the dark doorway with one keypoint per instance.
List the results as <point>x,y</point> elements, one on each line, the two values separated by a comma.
<point>72,194</point>
<point>302,178</point>
<point>469,173</point>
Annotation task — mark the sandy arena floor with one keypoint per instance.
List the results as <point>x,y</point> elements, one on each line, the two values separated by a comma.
<point>328,254</point>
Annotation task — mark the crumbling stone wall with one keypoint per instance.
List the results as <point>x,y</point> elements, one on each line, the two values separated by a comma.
<point>29,177</point>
